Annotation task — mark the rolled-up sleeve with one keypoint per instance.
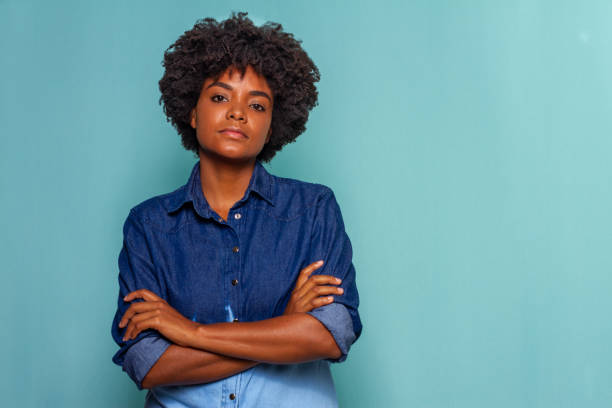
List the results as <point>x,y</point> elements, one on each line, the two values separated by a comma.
<point>330,243</point>
<point>136,271</point>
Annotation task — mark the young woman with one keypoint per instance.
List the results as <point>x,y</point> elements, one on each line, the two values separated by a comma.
<point>238,287</point>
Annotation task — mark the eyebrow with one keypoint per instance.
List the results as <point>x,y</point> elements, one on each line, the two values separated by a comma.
<point>229,88</point>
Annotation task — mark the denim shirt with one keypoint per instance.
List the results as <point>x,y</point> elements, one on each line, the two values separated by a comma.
<point>243,269</point>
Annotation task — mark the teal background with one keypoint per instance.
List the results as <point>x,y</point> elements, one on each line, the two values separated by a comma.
<point>468,144</point>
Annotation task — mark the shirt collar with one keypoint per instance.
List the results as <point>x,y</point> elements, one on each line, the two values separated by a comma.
<point>260,183</point>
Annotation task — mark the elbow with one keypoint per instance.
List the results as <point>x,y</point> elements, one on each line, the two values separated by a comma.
<point>334,351</point>
<point>323,340</point>
<point>331,347</point>
<point>147,382</point>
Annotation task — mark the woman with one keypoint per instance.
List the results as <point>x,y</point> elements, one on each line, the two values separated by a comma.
<point>219,301</point>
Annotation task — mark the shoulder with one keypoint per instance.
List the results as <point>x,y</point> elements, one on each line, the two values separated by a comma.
<point>293,197</point>
<point>156,208</point>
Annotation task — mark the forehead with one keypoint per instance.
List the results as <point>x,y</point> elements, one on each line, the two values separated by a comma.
<point>250,79</point>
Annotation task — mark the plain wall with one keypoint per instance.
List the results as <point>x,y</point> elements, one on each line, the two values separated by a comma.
<point>468,144</point>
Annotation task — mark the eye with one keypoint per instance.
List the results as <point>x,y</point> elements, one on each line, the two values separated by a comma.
<point>258,107</point>
<point>218,98</point>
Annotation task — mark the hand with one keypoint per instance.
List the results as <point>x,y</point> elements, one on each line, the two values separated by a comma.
<point>307,294</point>
<point>155,313</point>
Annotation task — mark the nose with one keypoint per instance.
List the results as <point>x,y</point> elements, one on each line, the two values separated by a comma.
<point>235,112</point>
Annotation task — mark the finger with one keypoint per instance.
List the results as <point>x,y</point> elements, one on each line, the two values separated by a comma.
<point>305,273</point>
<point>150,323</point>
<point>321,301</point>
<point>135,308</point>
<point>321,291</point>
<point>132,310</point>
<point>322,279</point>
<point>137,323</point>
<point>142,294</point>
<point>314,303</point>
<point>315,281</point>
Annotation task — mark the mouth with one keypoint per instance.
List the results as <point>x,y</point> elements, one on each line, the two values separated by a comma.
<point>234,133</point>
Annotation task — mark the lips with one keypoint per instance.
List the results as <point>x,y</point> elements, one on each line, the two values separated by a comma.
<point>234,133</point>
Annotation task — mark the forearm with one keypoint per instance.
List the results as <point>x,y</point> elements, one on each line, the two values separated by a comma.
<point>286,339</point>
<point>184,365</point>
<point>225,349</point>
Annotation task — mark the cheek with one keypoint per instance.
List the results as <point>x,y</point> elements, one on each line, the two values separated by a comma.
<point>209,118</point>
<point>265,124</point>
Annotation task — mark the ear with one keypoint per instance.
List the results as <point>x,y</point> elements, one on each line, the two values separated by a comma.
<point>268,137</point>
<point>193,118</point>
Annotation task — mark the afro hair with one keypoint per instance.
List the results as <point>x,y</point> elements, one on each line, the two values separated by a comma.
<point>211,47</point>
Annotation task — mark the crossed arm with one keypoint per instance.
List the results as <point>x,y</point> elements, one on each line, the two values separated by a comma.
<point>235,347</point>
<point>205,353</point>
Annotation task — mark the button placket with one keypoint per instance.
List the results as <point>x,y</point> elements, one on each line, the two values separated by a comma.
<point>234,273</point>
<point>229,389</point>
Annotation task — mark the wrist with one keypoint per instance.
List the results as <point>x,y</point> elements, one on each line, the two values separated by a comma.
<point>196,335</point>
<point>187,336</point>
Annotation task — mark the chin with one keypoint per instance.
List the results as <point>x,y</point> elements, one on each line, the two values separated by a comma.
<point>235,155</point>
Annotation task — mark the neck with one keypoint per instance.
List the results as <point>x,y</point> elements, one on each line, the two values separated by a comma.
<point>224,182</point>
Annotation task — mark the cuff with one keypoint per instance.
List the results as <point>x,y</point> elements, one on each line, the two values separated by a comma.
<point>336,318</point>
<point>141,356</point>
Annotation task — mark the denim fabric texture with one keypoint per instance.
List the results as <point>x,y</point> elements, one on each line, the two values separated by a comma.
<point>240,269</point>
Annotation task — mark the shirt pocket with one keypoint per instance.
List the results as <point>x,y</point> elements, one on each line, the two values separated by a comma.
<point>193,270</point>
<point>277,250</point>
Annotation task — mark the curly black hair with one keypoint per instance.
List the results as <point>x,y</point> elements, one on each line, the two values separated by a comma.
<point>211,47</point>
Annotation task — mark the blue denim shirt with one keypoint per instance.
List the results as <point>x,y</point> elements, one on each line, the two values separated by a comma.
<point>242,269</point>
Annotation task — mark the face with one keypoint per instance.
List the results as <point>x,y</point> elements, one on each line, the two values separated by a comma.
<point>233,115</point>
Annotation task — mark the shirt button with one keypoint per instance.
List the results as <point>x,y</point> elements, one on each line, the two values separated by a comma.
<point>235,249</point>
<point>232,396</point>
<point>235,319</point>
<point>234,282</point>
<point>237,216</point>
<point>220,219</point>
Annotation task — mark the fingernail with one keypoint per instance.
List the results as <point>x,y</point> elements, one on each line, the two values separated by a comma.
<point>338,280</point>
<point>319,262</point>
<point>330,298</point>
